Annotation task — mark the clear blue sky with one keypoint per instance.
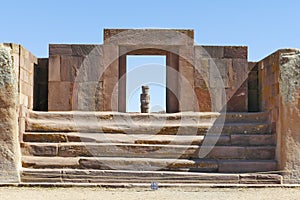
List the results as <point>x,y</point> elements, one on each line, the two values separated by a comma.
<point>150,71</point>
<point>262,25</point>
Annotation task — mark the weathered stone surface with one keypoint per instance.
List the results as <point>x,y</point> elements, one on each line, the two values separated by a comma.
<point>149,37</point>
<point>107,177</point>
<point>289,78</point>
<point>61,98</point>
<point>227,152</point>
<point>263,153</point>
<point>54,68</point>
<point>70,67</point>
<point>39,149</point>
<point>212,51</point>
<point>238,101</point>
<point>227,166</point>
<point>127,150</point>
<point>235,52</point>
<point>9,151</point>
<point>287,128</point>
<point>203,99</point>
<point>121,176</point>
<point>278,76</point>
<point>260,179</point>
<point>49,162</point>
<point>60,49</point>
<point>222,68</point>
<point>52,137</point>
<point>252,140</point>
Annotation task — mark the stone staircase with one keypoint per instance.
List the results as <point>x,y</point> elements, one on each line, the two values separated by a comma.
<point>135,148</point>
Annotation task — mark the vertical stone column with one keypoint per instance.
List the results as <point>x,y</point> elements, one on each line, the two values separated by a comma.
<point>279,95</point>
<point>145,99</point>
<point>288,121</point>
<point>9,153</point>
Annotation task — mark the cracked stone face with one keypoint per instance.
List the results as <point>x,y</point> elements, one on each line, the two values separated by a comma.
<point>6,74</point>
<point>8,118</point>
<point>289,75</point>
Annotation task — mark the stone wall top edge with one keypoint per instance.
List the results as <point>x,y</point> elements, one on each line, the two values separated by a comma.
<point>218,46</point>
<point>148,29</point>
<point>21,50</point>
<point>280,51</point>
<point>111,32</point>
<point>69,45</point>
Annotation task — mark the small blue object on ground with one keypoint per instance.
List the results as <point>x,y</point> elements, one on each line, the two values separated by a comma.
<point>154,186</point>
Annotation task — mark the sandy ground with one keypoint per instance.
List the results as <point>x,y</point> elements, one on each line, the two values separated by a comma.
<point>24,193</point>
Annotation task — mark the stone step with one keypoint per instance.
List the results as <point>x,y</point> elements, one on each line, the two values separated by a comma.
<point>75,149</point>
<point>208,117</point>
<point>234,139</point>
<point>144,128</point>
<point>122,176</point>
<point>149,164</point>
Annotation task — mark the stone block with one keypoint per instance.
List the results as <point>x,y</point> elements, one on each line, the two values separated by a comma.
<point>156,37</point>
<point>220,75</point>
<point>60,49</point>
<point>201,73</point>
<point>70,68</point>
<point>236,52</point>
<point>23,100</point>
<point>240,72</point>
<point>15,48</point>
<point>203,99</point>
<point>238,102</point>
<point>90,96</point>
<point>9,143</point>
<point>253,140</point>
<point>246,166</point>
<point>27,89</point>
<point>218,100</point>
<point>82,49</point>
<point>74,151</point>
<point>260,179</point>
<point>54,68</point>
<point>212,51</point>
<point>264,153</point>
<point>60,96</point>
<point>39,149</point>
<point>227,152</point>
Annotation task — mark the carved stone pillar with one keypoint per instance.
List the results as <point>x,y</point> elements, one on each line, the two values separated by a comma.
<point>145,99</point>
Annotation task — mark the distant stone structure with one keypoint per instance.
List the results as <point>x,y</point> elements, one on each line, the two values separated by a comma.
<point>63,118</point>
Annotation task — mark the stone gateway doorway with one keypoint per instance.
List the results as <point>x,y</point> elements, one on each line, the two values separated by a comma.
<point>171,79</point>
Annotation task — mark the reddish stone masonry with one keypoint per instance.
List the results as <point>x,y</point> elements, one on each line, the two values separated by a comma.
<point>199,79</point>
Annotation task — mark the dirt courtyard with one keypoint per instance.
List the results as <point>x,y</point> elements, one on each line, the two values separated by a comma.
<point>80,193</point>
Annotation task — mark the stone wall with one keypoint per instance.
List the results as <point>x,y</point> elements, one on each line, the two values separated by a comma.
<point>24,62</point>
<point>228,63</point>
<point>9,146</point>
<point>207,79</point>
<point>279,76</point>
<point>74,77</point>
<point>16,95</point>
